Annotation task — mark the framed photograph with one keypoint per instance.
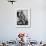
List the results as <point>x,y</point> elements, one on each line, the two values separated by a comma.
<point>23,17</point>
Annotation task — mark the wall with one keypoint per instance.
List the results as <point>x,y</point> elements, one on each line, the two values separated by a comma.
<point>8,28</point>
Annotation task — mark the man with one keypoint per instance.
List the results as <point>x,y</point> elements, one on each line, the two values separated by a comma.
<point>22,18</point>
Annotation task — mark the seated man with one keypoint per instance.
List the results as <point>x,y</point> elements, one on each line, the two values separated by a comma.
<point>21,18</point>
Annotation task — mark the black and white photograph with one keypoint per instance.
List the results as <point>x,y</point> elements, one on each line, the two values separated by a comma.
<point>23,17</point>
